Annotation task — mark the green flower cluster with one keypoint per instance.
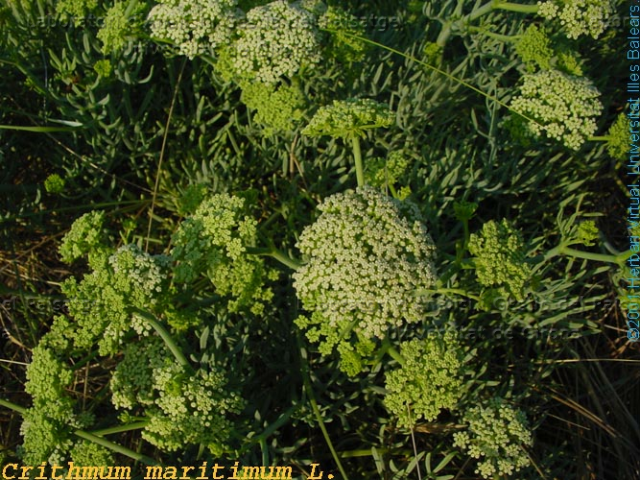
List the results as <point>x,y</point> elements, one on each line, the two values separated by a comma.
<point>578,17</point>
<point>192,410</point>
<point>101,304</point>
<point>86,237</point>
<point>183,407</point>
<point>195,26</point>
<point>103,68</point>
<point>499,258</point>
<point>344,29</point>
<point>587,233</point>
<point>496,435</point>
<point>534,48</point>
<point>278,108</point>
<point>46,424</point>
<point>367,255</point>
<point>54,184</point>
<point>381,172</point>
<point>213,241</point>
<point>276,40</point>
<point>429,379</point>
<point>618,138</point>
<point>349,118</point>
<point>118,25</point>
<point>75,9</point>
<point>89,453</point>
<point>563,106</point>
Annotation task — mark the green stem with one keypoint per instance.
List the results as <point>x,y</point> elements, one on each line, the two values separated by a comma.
<point>395,354</point>
<point>166,337</point>
<point>13,406</point>
<point>448,28</point>
<point>276,254</point>
<point>357,155</point>
<point>497,36</point>
<point>597,257</point>
<point>445,291</point>
<point>515,7</point>
<point>480,11</point>
<point>92,438</point>
<point>599,138</point>
<point>115,447</point>
<point>120,428</point>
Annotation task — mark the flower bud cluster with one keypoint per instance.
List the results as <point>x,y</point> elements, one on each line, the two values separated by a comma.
<point>278,108</point>
<point>534,48</point>
<point>349,118</point>
<point>213,241</point>
<point>86,237</point>
<point>45,424</point>
<point>499,258</point>
<point>429,379</point>
<point>496,436</point>
<point>183,407</point>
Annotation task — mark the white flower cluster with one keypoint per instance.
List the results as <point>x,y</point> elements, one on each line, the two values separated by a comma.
<point>367,258</point>
<point>564,106</point>
<point>496,435</point>
<point>578,17</point>
<point>195,26</point>
<point>277,40</point>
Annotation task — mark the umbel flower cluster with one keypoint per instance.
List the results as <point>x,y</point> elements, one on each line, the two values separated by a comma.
<point>534,48</point>
<point>367,256</point>
<point>578,17</point>
<point>563,106</point>
<point>429,379</point>
<point>496,436</point>
<point>195,26</point>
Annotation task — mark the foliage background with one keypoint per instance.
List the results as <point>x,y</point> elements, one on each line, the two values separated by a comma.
<point>160,123</point>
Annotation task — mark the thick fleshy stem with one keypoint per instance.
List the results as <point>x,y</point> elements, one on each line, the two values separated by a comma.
<point>275,254</point>
<point>166,337</point>
<point>562,249</point>
<point>357,155</point>
<point>390,350</point>
<point>516,7</point>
